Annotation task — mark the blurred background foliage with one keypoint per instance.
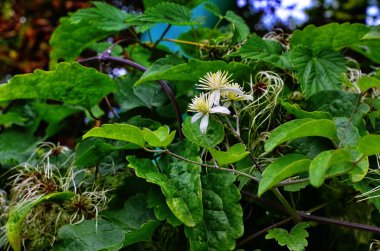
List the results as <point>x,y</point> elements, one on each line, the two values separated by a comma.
<point>26,26</point>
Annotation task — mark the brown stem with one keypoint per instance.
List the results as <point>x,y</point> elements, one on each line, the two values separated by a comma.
<point>341,223</point>
<point>263,231</point>
<point>163,84</point>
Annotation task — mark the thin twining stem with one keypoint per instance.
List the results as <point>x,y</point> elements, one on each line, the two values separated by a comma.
<point>263,231</point>
<point>342,223</point>
<point>205,165</point>
<point>107,57</point>
<point>283,183</point>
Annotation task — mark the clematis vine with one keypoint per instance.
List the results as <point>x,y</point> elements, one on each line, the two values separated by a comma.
<point>204,105</point>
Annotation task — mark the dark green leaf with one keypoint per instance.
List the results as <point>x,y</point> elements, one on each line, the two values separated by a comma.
<point>299,128</point>
<point>320,164</point>
<point>213,136</point>
<point>259,49</point>
<point>70,83</point>
<point>16,146</point>
<point>295,240</point>
<point>149,94</point>
<point>123,132</point>
<point>213,8</point>
<point>156,200</point>
<point>295,110</point>
<point>179,181</point>
<point>92,151</point>
<point>193,70</point>
<point>282,168</point>
<point>241,29</point>
<point>90,235</point>
<point>223,215</point>
<point>310,146</point>
<point>347,133</point>
<point>18,212</point>
<point>317,71</point>
<point>136,219</point>
<point>232,155</point>
<point>54,115</point>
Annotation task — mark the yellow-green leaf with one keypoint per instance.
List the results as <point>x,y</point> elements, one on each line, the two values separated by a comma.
<point>123,132</point>
<point>282,168</point>
<point>232,155</point>
<point>160,137</point>
<point>323,161</point>
<point>300,128</point>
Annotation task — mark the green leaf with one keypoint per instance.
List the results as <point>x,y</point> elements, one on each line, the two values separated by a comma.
<point>90,235</point>
<point>156,201</point>
<point>369,145</point>
<point>160,137</point>
<point>361,167</point>
<point>368,48</point>
<point>123,132</point>
<point>85,27</point>
<point>341,104</point>
<point>265,50</point>
<point>92,151</point>
<point>317,71</point>
<point>179,181</point>
<point>241,29</point>
<point>282,168</point>
<point>367,82</point>
<point>320,164</point>
<point>232,155</point>
<point>148,94</point>
<point>295,240</point>
<point>16,146</point>
<point>213,8</point>
<point>166,12</point>
<point>103,15</point>
<point>310,146</point>
<point>334,35</point>
<point>11,118</point>
<point>347,133</point>
<point>192,71</point>
<point>136,219</point>
<point>299,128</point>
<point>122,227</point>
<point>223,215</point>
<point>213,136</point>
<point>70,83</point>
<point>18,213</point>
<point>54,115</point>
<point>295,110</point>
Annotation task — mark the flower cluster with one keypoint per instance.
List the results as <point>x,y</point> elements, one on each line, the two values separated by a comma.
<point>219,89</point>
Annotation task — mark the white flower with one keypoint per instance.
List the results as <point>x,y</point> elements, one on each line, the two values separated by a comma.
<point>216,83</point>
<point>203,105</point>
<point>232,96</point>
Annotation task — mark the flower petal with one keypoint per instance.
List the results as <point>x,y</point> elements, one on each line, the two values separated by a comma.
<point>204,124</point>
<point>214,98</point>
<point>196,117</point>
<point>219,109</point>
